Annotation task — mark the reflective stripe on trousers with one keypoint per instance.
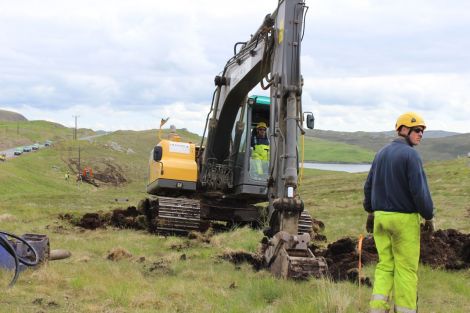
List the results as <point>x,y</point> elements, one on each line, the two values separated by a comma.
<point>379,297</point>
<point>400,309</point>
<point>379,304</point>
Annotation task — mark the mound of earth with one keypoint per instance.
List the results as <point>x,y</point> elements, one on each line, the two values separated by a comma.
<point>104,171</point>
<point>448,249</point>
<point>342,258</point>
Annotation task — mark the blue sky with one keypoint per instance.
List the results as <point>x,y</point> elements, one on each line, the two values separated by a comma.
<point>127,64</point>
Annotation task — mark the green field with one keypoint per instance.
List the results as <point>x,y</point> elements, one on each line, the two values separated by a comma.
<point>177,274</point>
<point>320,150</point>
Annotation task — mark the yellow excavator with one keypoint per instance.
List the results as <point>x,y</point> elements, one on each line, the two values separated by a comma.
<point>191,185</point>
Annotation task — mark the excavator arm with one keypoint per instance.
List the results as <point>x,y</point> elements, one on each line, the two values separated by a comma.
<point>271,57</point>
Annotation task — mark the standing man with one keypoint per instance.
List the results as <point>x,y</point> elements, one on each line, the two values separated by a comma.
<point>396,193</point>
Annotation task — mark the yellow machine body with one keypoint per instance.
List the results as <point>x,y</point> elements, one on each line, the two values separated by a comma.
<point>172,166</point>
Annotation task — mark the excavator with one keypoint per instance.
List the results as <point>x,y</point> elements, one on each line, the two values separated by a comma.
<point>191,185</point>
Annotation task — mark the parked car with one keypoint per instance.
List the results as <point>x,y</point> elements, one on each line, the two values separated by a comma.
<point>18,151</point>
<point>35,146</point>
<point>27,149</point>
<point>47,143</point>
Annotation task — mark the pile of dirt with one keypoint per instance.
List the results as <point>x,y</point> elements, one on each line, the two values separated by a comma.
<point>111,174</point>
<point>237,257</point>
<point>129,218</point>
<point>104,171</point>
<point>343,259</point>
<point>118,254</point>
<point>120,218</point>
<point>449,249</point>
<point>90,221</point>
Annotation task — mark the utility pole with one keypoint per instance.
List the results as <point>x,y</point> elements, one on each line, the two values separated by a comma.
<point>75,129</point>
<point>79,165</point>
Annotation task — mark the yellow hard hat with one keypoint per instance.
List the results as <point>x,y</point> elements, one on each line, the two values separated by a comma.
<point>261,125</point>
<point>410,119</point>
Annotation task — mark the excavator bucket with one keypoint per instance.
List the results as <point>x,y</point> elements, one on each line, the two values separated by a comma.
<point>288,256</point>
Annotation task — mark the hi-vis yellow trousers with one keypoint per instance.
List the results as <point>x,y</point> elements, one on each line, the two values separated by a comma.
<point>397,238</point>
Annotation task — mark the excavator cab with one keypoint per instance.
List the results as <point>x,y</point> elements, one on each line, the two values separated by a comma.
<point>251,160</point>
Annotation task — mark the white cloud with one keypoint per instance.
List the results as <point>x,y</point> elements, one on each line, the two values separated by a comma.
<point>122,64</point>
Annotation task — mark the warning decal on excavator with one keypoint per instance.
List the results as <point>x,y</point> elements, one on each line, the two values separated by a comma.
<point>179,147</point>
<point>281,32</point>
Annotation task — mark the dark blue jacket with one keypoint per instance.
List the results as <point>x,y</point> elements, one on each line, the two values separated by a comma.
<point>397,182</point>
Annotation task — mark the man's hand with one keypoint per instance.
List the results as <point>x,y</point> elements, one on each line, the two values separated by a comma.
<point>429,226</point>
<point>370,223</point>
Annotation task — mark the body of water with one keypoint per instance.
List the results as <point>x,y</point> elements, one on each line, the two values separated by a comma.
<point>339,167</point>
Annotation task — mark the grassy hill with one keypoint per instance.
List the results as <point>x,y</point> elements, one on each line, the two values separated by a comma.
<point>437,146</point>
<point>19,133</point>
<point>11,116</point>
<point>177,274</point>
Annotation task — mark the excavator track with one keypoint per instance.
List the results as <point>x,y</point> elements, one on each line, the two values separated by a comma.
<point>177,216</point>
<point>305,223</point>
<point>183,215</point>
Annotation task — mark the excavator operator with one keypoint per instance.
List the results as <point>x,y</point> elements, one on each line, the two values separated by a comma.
<point>260,146</point>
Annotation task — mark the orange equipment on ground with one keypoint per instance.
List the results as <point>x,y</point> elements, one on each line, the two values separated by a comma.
<point>87,173</point>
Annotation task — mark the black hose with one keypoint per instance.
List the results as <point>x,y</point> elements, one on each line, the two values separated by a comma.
<point>9,248</point>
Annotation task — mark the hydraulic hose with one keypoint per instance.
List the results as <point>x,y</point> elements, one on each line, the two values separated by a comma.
<point>5,243</point>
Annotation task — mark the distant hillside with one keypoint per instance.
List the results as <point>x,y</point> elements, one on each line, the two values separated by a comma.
<point>436,145</point>
<point>11,116</point>
<point>20,133</point>
<point>429,133</point>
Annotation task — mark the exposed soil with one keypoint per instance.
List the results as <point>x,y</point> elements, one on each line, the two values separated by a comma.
<point>140,218</point>
<point>120,218</point>
<point>239,256</point>
<point>91,221</point>
<point>118,254</point>
<point>448,249</point>
<point>104,172</point>
<point>343,259</point>
<point>111,174</point>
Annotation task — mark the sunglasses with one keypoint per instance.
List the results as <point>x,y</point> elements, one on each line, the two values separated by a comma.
<point>417,130</point>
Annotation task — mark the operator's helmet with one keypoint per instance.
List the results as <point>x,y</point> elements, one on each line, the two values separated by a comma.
<point>261,125</point>
<point>410,119</point>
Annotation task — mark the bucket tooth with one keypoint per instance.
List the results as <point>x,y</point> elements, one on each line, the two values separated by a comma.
<point>288,256</point>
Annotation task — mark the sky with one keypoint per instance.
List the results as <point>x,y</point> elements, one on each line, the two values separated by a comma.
<point>128,64</point>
